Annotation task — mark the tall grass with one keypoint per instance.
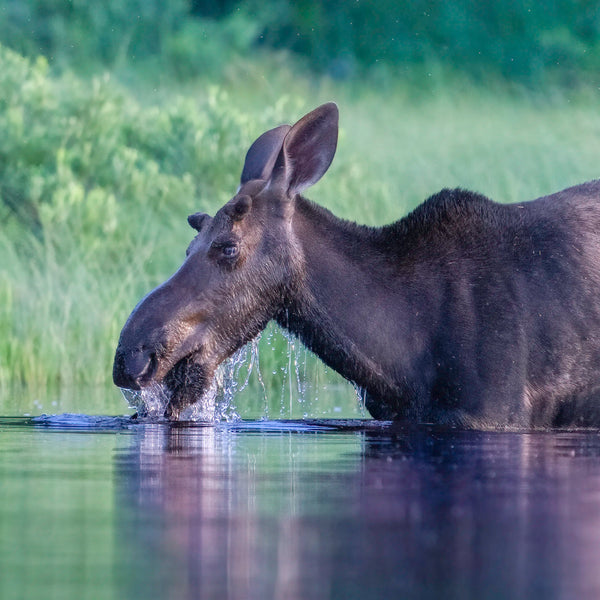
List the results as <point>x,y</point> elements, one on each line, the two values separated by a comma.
<point>96,181</point>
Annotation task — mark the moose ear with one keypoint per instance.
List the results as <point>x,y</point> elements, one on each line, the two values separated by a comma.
<point>196,220</point>
<point>261,156</point>
<point>308,150</point>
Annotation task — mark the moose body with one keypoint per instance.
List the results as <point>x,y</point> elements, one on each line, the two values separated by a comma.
<point>465,312</point>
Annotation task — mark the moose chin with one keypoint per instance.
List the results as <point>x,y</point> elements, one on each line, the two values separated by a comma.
<point>465,312</point>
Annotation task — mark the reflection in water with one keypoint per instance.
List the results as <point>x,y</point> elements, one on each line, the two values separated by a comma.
<point>225,513</point>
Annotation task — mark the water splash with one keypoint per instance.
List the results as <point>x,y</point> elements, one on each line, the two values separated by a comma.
<point>205,409</point>
<point>149,403</point>
<point>306,387</point>
<point>216,404</point>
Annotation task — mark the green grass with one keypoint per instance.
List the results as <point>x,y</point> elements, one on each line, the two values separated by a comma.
<point>97,178</point>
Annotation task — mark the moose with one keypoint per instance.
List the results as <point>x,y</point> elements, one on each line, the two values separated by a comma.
<point>465,312</point>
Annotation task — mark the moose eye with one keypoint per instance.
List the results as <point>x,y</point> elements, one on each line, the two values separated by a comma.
<point>230,250</point>
<point>226,250</point>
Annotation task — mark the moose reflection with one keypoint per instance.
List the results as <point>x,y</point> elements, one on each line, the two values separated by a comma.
<point>465,312</point>
<point>216,513</point>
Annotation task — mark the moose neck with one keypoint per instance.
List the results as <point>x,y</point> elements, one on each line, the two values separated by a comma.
<point>341,309</point>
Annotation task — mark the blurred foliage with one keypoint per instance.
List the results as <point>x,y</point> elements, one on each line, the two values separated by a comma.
<point>520,40</point>
<point>84,35</point>
<point>80,31</point>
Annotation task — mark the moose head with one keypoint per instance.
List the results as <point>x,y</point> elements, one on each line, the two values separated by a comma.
<point>240,270</point>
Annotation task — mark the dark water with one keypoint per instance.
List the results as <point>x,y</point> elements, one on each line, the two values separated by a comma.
<point>104,508</point>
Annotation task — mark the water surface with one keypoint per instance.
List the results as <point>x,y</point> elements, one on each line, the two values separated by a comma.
<point>108,508</point>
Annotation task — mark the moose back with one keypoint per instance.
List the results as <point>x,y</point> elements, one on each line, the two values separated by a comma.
<point>465,312</point>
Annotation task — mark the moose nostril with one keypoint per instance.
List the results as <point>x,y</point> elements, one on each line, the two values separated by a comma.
<point>132,369</point>
<point>146,369</point>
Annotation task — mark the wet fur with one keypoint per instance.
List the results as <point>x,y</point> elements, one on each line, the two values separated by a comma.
<point>186,381</point>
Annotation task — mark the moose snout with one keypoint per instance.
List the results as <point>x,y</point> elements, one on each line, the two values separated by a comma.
<point>133,368</point>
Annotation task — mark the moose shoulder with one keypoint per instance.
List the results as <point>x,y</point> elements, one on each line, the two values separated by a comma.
<point>465,312</point>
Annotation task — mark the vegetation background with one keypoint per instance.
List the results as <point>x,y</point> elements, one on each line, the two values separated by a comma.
<point>119,118</point>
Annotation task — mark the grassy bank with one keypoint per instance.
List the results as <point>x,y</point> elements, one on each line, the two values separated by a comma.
<point>96,180</point>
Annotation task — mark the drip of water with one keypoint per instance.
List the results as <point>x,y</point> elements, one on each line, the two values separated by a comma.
<point>299,390</point>
<point>361,399</point>
<point>228,379</point>
<point>255,365</point>
<point>292,373</point>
